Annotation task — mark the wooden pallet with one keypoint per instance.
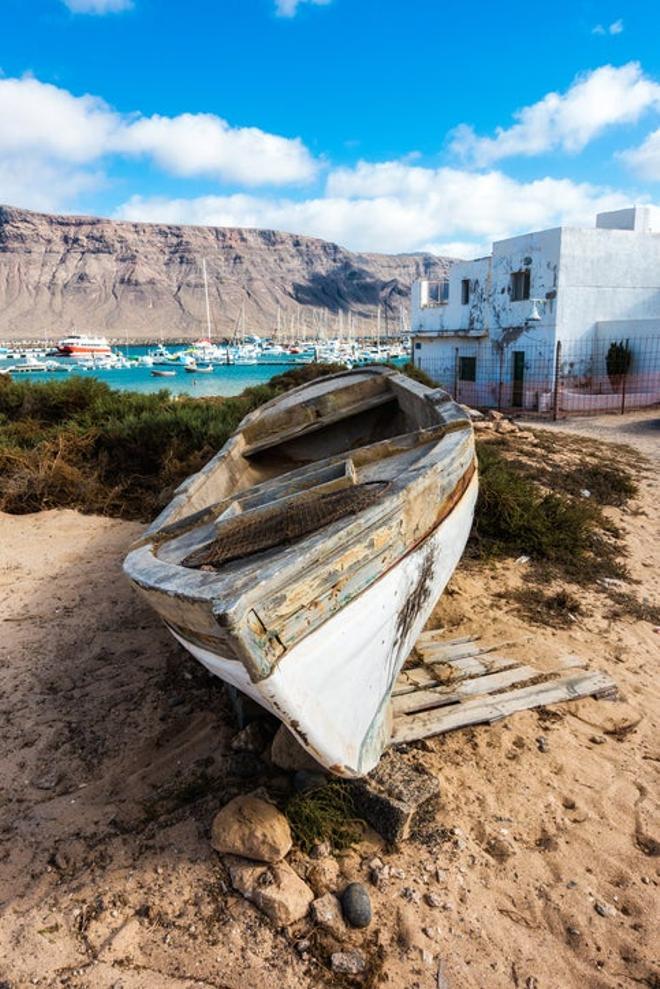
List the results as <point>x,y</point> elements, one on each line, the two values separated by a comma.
<point>460,682</point>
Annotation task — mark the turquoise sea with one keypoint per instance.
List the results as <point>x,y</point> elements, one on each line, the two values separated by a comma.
<point>225,380</point>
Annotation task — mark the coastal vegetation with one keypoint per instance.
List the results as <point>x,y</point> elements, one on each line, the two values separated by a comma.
<point>80,444</point>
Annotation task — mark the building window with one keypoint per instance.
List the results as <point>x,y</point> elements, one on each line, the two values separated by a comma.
<point>438,293</point>
<point>465,291</point>
<point>467,368</point>
<point>418,345</point>
<point>520,282</point>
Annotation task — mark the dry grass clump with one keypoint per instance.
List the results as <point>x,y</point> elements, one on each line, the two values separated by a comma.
<point>558,610</point>
<point>80,444</point>
<point>626,605</point>
<point>322,814</point>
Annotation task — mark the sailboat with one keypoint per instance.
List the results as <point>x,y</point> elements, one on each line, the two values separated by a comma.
<point>302,562</point>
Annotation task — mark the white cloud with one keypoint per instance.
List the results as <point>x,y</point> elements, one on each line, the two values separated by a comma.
<point>567,121</point>
<point>289,8</point>
<point>645,159</point>
<point>98,6</point>
<point>616,27</point>
<point>49,124</point>
<point>393,206</point>
<point>48,186</point>
<point>201,144</point>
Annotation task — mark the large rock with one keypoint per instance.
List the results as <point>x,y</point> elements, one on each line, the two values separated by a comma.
<point>252,828</point>
<point>275,889</point>
<point>287,753</point>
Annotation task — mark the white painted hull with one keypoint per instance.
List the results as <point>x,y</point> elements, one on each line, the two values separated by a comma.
<point>332,688</point>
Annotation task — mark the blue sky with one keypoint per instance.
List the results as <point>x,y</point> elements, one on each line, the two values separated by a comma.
<point>383,125</point>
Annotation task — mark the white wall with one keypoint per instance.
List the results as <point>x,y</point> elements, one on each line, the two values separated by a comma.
<point>606,275</point>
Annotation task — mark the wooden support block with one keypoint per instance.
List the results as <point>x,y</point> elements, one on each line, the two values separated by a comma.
<point>395,796</point>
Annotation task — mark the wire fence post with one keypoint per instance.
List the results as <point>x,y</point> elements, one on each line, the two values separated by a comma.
<point>456,373</point>
<point>555,393</point>
<point>623,379</point>
<point>499,384</point>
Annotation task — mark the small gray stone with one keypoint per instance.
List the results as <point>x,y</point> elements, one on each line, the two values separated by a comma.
<point>348,962</point>
<point>604,909</point>
<point>356,905</point>
<point>433,900</point>
<point>542,744</point>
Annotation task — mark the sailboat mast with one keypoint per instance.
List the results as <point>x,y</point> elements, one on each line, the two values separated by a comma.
<point>206,296</point>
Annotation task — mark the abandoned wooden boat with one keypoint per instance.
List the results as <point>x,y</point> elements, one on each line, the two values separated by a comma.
<point>302,562</point>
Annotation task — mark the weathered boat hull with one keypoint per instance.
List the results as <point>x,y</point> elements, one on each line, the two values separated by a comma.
<point>301,563</point>
<point>333,688</point>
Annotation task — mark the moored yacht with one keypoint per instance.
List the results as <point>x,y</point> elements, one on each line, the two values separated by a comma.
<point>78,347</point>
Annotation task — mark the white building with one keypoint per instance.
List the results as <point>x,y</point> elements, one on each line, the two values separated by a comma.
<point>489,332</point>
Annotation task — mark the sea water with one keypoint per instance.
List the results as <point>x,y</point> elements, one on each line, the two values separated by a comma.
<point>226,379</point>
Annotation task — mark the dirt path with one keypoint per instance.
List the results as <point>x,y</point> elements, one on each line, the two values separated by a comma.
<point>116,753</point>
<point>640,430</point>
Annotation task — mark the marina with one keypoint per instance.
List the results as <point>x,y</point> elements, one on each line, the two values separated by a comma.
<point>200,369</point>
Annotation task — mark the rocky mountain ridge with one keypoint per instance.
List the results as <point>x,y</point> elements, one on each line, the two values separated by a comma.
<point>64,274</point>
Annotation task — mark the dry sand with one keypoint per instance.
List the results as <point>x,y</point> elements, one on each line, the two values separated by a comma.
<point>107,878</point>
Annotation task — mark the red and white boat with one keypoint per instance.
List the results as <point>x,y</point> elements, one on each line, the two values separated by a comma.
<point>84,346</point>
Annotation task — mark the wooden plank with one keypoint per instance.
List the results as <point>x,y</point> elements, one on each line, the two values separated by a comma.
<point>308,420</point>
<point>408,728</point>
<point>455,670</point>
<point>424,700</point>
<point>432,637</point>
<point>440,654</point>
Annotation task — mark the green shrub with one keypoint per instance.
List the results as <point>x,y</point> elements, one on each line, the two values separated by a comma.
<point>324,814</point>
<point>514,516</point>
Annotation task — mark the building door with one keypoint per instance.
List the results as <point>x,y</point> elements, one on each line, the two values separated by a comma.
<point>518,378</point>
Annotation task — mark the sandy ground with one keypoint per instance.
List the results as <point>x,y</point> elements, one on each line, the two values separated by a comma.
<point>640,430</point>
<point>544,862</point>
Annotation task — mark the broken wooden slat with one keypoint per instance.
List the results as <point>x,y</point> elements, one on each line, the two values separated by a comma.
<point>424,700</point>
<point>458,669</point>
<point>409,728</point>
<point>436,655</point>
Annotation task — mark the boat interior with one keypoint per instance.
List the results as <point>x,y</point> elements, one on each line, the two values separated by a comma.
<point>311,458</point>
